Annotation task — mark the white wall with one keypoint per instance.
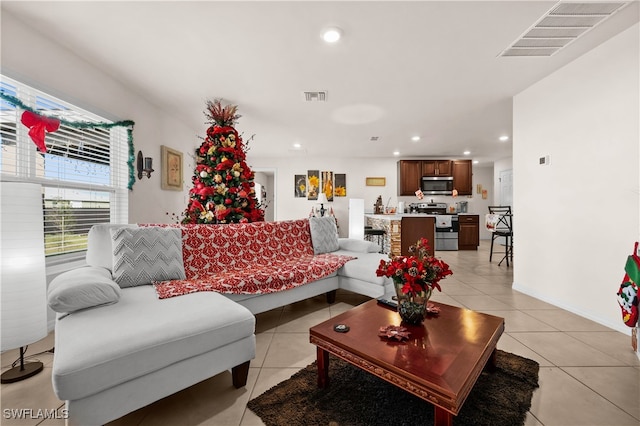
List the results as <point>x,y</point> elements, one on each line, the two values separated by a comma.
<point>31,58</point>
<point>289,207</point>
<point>577,219</point>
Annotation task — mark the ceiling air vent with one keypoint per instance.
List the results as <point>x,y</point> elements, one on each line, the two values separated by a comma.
<point>320,96</point>
<point>374,138</point>
<point>561,26</point>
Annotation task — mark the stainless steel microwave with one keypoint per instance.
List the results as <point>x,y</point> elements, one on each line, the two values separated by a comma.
<point>437,185</point>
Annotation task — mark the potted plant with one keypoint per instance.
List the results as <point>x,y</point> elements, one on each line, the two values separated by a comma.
<point>414,277</point>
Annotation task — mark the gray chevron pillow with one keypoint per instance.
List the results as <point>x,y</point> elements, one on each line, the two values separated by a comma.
<point>324,234</point>
<point>144,255</point>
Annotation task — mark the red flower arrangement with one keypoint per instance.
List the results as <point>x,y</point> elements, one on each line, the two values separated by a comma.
<point>418,274</point>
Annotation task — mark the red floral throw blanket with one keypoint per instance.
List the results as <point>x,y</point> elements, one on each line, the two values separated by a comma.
<point>249,258</point>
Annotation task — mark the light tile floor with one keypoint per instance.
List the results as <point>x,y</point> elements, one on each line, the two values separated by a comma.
<point>588,373</point>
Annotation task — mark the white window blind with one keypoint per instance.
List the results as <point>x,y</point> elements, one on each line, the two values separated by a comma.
<point>84,172</point>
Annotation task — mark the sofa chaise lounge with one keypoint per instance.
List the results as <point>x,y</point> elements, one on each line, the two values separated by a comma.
<point>159,308</point>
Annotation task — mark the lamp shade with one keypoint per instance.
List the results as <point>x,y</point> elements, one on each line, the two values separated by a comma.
<point>322,198</point>
<point>23,305</point>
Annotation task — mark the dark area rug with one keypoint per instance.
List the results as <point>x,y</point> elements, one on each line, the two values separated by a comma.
<point>356,398</point>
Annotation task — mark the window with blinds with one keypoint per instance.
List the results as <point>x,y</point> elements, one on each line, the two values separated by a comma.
<point>83,174</point>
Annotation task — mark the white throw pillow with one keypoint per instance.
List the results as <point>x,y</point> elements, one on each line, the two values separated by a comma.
<point>82,288</point>
<point>324,234</point>
<point>144,255</point>
<point>360,246</point>
<point>99,251</point>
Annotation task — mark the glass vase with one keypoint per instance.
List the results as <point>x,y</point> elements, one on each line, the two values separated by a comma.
<point>412,307</point>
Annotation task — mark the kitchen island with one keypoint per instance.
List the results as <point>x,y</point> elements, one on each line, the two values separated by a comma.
<point>403,230</point>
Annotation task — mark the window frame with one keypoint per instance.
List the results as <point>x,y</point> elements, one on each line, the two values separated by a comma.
<point>27,158</point>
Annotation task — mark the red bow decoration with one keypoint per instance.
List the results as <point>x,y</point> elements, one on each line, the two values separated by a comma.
<point>37,124</point>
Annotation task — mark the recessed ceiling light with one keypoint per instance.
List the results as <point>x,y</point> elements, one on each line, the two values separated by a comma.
<point>332,34</point>
<point>467,152</point>
<point>297,145</point>
<point>504,138</point>
<point>396,153</point>
<point>415,138</point>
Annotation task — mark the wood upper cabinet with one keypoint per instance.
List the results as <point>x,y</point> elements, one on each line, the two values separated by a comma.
<point>409,176</point>
<point>436,167</point>
<point>462,177</point>
<point>469,233</point>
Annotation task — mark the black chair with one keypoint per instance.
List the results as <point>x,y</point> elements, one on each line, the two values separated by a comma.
<point>503,228</point>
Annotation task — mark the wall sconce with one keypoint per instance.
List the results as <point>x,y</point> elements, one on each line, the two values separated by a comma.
<point>145,165</point>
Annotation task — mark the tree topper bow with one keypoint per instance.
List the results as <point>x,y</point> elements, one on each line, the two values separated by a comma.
<point>37,125</point>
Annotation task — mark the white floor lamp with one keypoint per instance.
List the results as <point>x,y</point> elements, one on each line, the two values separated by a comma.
<point>22,277</point>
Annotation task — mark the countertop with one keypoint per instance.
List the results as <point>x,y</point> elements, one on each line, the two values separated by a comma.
<point>399,216</point>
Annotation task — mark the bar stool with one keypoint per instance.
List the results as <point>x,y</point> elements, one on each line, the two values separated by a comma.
<point>503,227</point>
<point>378,234</point>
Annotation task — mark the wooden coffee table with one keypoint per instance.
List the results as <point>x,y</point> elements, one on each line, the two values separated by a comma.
<point>439,363</point>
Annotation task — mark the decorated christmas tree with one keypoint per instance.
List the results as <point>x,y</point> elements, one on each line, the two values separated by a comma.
<point>223,188</point>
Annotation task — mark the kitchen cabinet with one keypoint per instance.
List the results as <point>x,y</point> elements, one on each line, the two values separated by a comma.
<point>469,232</point>
<point>409,176</point>
<point>462,176</point>
<point>414,228</point>
<point>436,167</point>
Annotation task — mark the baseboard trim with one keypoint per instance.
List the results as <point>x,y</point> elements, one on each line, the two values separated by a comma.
<point>574,310</point>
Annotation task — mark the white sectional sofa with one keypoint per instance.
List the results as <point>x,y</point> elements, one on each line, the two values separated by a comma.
<point>120,346</point>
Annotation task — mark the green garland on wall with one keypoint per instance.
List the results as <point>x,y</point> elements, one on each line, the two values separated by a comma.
<point>86,125</point>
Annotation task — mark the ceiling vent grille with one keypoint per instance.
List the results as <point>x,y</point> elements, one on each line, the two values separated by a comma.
<point>561,26</point>
<point>320,96</point>
<point>374,138</point>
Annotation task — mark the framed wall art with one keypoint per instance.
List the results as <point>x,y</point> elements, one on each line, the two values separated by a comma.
<point>327,184</point>
<point>376,181</point>
<point>300,186</point>
<point>340,185</point>
<point>313,184</point>
<point>171,169</point>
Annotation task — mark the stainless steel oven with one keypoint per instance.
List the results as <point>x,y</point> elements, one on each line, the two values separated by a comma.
<point>447,227</point>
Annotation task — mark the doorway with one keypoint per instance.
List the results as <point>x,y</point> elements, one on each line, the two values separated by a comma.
<point>506,188</point>
<point>265,180</point>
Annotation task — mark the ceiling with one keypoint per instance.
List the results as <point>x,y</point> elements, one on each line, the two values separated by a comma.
<point>426,68</point>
